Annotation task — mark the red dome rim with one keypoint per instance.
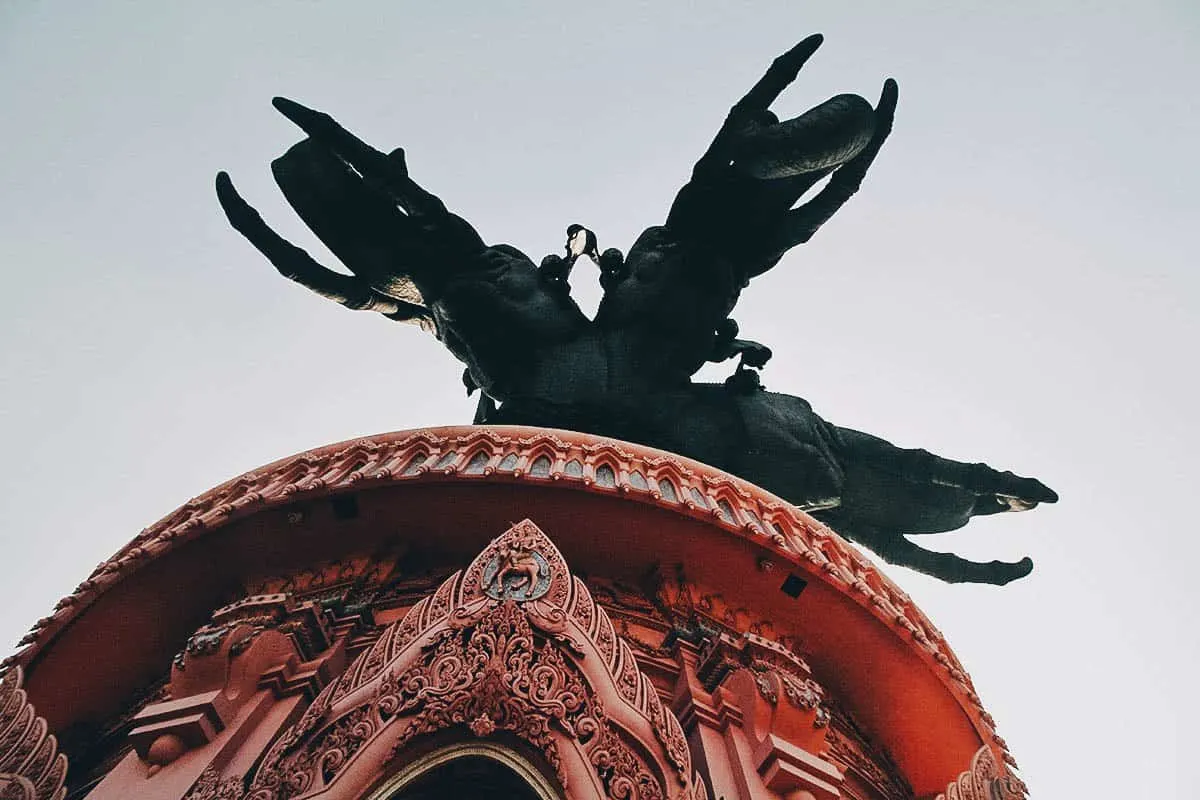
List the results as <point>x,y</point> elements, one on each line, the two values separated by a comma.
<point>702,492</point>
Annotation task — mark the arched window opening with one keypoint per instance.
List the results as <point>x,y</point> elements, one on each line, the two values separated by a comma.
<point>541,467</point>
<point>477,463</point>
<point>606,477</point>
<point>475,771</point>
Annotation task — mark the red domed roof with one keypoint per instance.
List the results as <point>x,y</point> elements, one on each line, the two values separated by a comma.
<point>610,506</point>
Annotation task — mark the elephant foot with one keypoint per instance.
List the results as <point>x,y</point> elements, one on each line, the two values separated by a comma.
<point>1002,572</point>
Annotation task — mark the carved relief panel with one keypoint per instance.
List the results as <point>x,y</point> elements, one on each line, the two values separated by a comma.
<point>513,645</point>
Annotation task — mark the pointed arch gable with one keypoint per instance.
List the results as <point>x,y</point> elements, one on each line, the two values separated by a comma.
<point>605,474</point>
<point>543,463</point>
<point>513,644</point>
<point>480,461</point>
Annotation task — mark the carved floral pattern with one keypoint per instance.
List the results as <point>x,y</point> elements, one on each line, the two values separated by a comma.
<point>493,676</point>
<point>31,768</point>
<point>619,770</point>
<point>211,786</point>
<point>463,658</point>
<point>801,691</point>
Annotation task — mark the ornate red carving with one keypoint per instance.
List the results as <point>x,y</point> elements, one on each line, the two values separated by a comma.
<point>306,624</point>
<point>493,676</point>
<point>985,780</point>
<point>328,578</point>
<point>710,613</point>
<point>774,671</point>
<point>211,786</point>
<point>801,691</point>
<point>31,768</point>
<point>262,641</point>
<point>513,659</point>
<point>620,771</point>
<point>516,571</point>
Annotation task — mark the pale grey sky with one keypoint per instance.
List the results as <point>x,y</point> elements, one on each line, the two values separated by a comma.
<point>1016,283</point>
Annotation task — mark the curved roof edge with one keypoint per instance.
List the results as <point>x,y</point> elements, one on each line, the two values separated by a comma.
<point>573,460</point>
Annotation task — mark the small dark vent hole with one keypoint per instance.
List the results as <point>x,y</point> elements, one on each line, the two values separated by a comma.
<point>793,586</point>
<point>345,506</point>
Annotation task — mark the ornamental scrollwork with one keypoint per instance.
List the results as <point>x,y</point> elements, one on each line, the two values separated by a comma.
<point>211,786</point>
<point>482,662</point>
<point>801,691</point>
<point>495,675</point>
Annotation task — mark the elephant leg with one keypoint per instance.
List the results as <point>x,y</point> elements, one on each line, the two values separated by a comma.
<point>894,548</point>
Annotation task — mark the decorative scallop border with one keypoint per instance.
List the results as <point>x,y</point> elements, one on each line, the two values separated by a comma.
<point>538,455</point>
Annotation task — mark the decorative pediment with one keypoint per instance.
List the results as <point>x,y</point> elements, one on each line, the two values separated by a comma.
<point>512,646</point>
<point>31,768</point>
